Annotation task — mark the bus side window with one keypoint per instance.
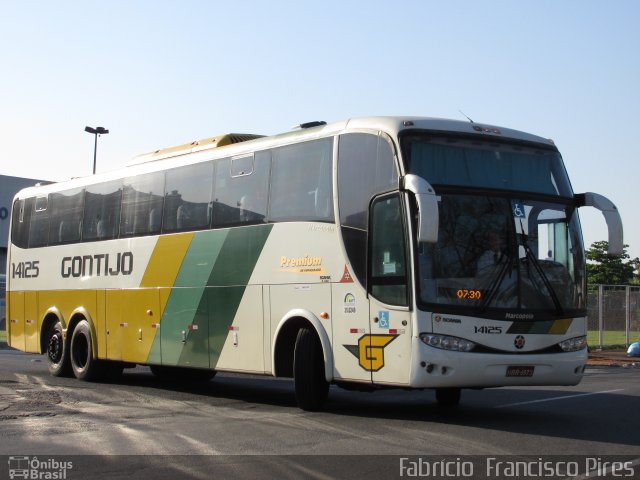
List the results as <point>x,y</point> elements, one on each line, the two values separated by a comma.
<point>301,182</point>
<point>187,198</point>
<point>366,167</point>
<point>142,201</point>
<point>20,222</point>
<point>39,223</point>
<point>66,215</point>
<point>242,190</point>
<point>101,211</point>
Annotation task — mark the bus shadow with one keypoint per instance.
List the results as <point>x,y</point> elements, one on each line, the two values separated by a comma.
<point>246,389</point>
<point>566,413</point>
<point>605,417</point>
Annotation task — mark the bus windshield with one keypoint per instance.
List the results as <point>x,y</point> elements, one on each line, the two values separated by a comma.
<point>507,253</point>
<point>495,165</point>
<point>509,235</point>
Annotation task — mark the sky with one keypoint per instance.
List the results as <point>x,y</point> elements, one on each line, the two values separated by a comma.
<point>161,73</point>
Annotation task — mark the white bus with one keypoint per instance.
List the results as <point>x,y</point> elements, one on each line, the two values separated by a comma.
<point>369,253</point>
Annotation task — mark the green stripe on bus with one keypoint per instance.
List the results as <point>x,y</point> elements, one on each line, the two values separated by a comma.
<point>552,327</point>
<point>185,297</point>
<point>233,269</point>
<point>540,327</point>
<point>198,310</point>
<point>239,256</point>
<point>203,252</point>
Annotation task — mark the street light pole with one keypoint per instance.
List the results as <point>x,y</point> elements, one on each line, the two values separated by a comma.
<point>96,131</point>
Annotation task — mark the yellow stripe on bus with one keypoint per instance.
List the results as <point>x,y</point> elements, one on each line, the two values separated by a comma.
<point>162,271</point>
<point>560,327</point>
<point>166,260</point>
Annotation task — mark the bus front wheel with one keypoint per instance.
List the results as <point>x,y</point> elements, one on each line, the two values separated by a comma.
<point>311,385</point>
<point>57,354</point>
<point>84,366</point>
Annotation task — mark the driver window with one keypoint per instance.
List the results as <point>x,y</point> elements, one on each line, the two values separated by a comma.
<point>388,251</point>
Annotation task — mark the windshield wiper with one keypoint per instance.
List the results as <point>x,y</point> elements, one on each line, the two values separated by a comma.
<point>506,265</point>
<point>493,288</point>
<point>534,261</point>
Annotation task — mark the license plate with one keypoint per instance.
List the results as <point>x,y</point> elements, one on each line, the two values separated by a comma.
<point>520,371</point>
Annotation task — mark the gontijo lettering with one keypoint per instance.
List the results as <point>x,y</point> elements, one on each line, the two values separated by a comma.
<point>101,264</point>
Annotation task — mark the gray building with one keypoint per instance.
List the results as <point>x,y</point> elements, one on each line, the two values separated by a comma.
<point>9,186</point>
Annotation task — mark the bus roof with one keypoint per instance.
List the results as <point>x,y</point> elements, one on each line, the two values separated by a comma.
<point>195,146</point>
<point>394,125</point>
<point>237,144</point>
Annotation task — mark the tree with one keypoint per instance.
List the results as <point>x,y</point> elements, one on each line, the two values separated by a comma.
<point>611,270</point>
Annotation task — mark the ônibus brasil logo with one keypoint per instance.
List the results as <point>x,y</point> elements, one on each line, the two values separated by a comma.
<point>34,468</point>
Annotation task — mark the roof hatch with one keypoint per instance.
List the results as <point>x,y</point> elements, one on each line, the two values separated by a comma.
<point>196,146</point>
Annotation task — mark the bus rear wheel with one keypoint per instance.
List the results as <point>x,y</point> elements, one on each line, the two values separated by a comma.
<point>57,354</point>
<point>310,383</point>
<point>84,366</point>
<point>448,397</point>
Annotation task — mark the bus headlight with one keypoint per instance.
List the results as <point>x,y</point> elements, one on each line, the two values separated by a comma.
<point>573,344</point>
<point>446,342</point>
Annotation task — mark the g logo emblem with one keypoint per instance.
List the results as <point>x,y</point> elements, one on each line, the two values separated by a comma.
<point>519,342</point>
<point>370,350</point>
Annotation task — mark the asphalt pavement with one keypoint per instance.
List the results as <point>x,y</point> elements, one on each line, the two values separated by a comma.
<point>250,427</point>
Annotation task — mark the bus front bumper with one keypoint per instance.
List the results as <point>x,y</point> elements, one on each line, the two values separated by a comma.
<point>436,368</point>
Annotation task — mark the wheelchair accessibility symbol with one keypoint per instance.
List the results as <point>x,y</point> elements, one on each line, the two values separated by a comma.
<point>518,210</point>
<point>383,319</point>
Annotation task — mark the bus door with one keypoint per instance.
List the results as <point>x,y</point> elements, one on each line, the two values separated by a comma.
<point>131,315</point>
<point>15,319</point>
<point>389,349</point>
<point>140,311</point>
<point>31,322</point>
<point>113,332</point>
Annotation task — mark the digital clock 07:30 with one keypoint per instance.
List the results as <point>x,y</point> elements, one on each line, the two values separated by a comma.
<point>464,294</point>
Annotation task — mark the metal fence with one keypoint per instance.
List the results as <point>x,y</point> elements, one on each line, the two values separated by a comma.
<point>613,314</point>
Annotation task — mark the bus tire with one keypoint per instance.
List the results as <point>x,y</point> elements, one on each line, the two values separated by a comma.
<point>448,397</point>
<point>310,383</point>
<point>84,366</point>
<point>57,352</point>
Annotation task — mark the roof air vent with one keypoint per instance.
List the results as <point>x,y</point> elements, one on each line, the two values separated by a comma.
<point>310,125</point>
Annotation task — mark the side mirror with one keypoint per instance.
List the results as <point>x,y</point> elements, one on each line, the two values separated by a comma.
<point>427,207</point>
<point>611,216</point>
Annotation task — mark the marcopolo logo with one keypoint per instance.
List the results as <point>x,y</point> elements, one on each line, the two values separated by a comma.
<point>35,468</point>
